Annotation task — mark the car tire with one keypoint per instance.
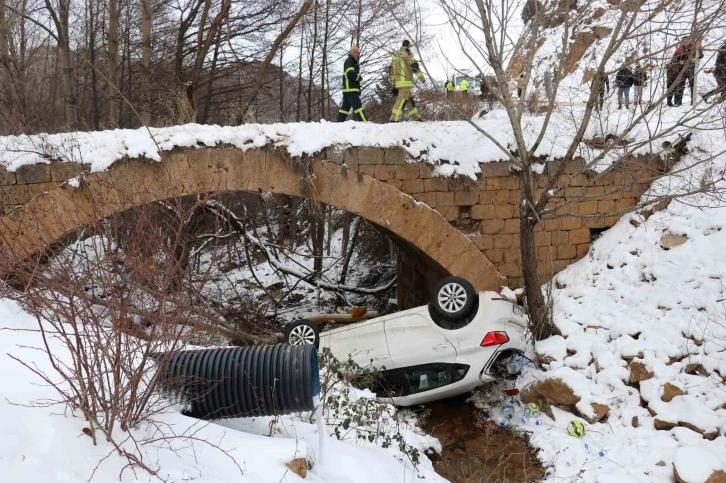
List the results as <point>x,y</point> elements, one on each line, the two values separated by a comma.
<point>302,332</point>
<point>454,300</point>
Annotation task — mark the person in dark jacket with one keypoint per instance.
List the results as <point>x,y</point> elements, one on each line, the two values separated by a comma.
<point>623,82</point>
<point>684,60</point>
<point>351,88</point>
<point>485,92</point>
<point>719,72</point>
<point>602,83</point>
<point>640,77</point>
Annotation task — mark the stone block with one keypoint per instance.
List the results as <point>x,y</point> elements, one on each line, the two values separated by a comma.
<point>7,178</point>
<point>543,239</point>
<point>466,198</point>
<point>605,207</point>
<point>412,186</point>
<point>504,211</point>
<point>511,225</point>
<point>445,198</point>
<point>385,172</point>
<point>334,155</point>
<point>483,242</point>
<point>65,171</point>
<point>492,227</point>
<point>570,223</point>
<point>560,238</point>
<point>513,255</point>
<point>515,197</point>
<point>395,183</point>
<point>489,170</point>
<point>552,225</point>
<point>407,171</point>
<point>579,236</point>
<point>503,241</point>
<point>482,212</point>
<point>367,169</point>
<point>395,156</point>
<point>624,204</point>
<point>494,255</point>
<point>510,270</point>
<point>493,184</point>
<point>428,198</point>
<point>587,207</point>
<point>370,155</point>
<point>487,197</point>
<point>511,182</point>
<point>33,173</point>
<point>425,171</point>
<point>450,213</point>
<point>501,197</point>
<point>566,252</point>
<point>582,250</point>
<point>438,183</point>
<point>14,195</point>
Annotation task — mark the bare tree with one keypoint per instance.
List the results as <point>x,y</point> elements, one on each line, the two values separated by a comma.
<point>146,52</point>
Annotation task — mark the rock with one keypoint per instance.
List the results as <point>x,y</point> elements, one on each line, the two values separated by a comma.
<point>638,372</point>
<point>663,425</point>
<point>696,464</point>
<point>599,12</point>
<point>550,392</point>
<point>670,391</point>
<point>661,463</point>
<point>696,369</point>
<point>668,241</point>
<point>299,466</point>
<point>718,476</point>
<point>710,436</point>
<point>635,422</point>
<point>555,392</point>
<point>600,410</point>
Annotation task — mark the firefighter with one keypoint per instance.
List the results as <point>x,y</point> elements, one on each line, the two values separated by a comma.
<point>351,88</point>
<point>403,69</point>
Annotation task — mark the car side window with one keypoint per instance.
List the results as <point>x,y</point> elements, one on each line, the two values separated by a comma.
<point>415,379</point>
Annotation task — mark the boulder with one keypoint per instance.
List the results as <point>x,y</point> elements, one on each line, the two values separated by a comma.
<point>639,372</point>
<point>668,240</point>
<point>697,464</point>
<point>663,425</point>
<point>600,410</point>
<point>670,391</point>
<point>299,466</point>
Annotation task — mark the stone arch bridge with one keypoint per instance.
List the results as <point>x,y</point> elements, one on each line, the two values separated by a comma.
<point>441,225</point>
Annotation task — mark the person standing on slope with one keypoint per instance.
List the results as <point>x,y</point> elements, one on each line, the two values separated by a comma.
<point>403,68</point>
<point>640,77</point>
<point>464,86</point>
<point>623,82</point>
<point>521,84</point>
<point>719,72</point>
<point>351,88</point>
<point>449,88</point>
<point>602,83</point>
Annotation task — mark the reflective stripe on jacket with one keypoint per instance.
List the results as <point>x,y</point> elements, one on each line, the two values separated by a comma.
<point>351,75</point>
<point>401,70</point>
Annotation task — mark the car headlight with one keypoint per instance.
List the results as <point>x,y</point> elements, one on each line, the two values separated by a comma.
<point>517,310</point>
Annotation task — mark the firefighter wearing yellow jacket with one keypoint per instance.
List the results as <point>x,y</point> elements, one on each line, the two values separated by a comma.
<point>403,68</point>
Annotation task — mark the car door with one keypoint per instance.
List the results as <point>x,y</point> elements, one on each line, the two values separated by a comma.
<point>364,343</point>
<point>414,339</point>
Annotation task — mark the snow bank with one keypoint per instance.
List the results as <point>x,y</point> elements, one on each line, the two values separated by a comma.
<point>695,464</point>
<point>42,444</point>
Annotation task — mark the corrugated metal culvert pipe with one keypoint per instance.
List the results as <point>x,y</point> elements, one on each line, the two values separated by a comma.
<point>237,382</point>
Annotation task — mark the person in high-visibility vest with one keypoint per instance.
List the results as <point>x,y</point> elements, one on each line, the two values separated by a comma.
<point>351,88</point>
<point>449,88</point>
<point>464,86</point>
<point>403,68</point>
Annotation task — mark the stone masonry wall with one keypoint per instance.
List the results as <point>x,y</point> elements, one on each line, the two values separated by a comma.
<point>486,209</point>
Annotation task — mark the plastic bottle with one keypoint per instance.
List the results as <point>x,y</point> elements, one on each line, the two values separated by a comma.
<point>514,364</point>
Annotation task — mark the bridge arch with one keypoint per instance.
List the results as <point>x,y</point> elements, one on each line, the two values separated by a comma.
<point>129,183</point>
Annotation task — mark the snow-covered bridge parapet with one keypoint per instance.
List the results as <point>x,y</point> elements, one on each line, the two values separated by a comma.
<point>398,177</point>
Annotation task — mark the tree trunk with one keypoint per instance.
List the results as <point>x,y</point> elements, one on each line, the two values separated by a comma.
<point>329,239</point>
<point>541,325</point>
<point>70,99</point>
<point>146,13</point>
<point>312,63</point>
<point>324,64</point>
<point>346,234</point>
<point>299,77</point>
<point>114,13</point>
<point>210,82</point>
<point>95,114</point>
<point>293,222</point>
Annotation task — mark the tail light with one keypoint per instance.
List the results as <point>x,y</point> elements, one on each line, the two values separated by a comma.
<point>512,392</point>
<point>494,338</point>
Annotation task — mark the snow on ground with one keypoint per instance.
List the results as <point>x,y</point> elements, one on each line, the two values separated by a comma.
<point>632,299</point>
<point>42,444</point>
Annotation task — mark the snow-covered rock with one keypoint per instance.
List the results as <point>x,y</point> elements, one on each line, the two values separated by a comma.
<point>698,464</point>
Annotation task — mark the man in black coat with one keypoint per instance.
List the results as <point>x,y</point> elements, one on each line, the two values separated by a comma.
<point>623,83</point>
<point>351,88</point>
<point>719,72</point>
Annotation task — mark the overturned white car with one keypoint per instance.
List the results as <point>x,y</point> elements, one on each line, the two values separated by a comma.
<point>460,341</point>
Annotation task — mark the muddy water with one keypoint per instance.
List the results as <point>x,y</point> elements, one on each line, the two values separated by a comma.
<point>476,450</point>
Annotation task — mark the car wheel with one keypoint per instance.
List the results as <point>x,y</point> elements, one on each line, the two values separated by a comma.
<point>454,299</point>
<point>302,332</point>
